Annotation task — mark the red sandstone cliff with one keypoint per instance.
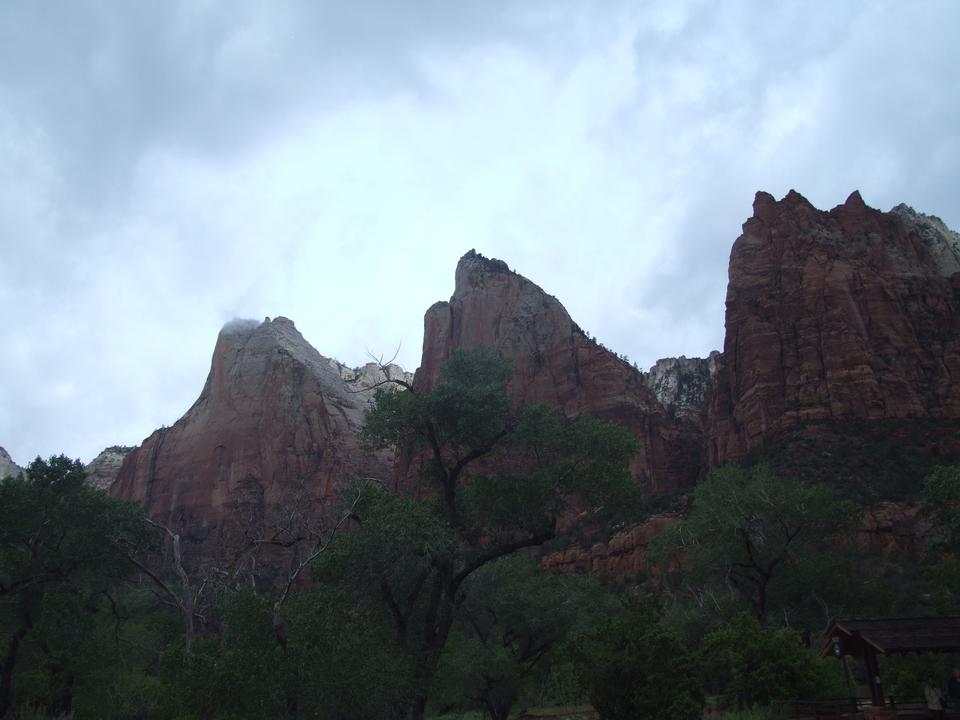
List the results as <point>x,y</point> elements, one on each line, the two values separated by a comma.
<point>557,364</point>
<point>835,319</point>
<point>842,338</point>
<point>272,435</point>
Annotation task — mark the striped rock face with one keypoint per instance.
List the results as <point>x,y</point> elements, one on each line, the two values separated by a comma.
<point>836,318</point>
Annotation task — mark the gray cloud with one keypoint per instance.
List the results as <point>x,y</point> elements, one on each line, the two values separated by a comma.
<point>165,167</point>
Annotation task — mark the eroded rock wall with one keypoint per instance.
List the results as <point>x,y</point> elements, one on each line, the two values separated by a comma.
<point>557,364</point>
<point>836,318</point>
<point>273,436</point>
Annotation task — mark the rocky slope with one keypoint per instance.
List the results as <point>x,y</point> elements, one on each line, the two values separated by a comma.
<point>271,438</point>
<point>371,375</point>
<point>836,321</point>
<point>8,466</point>
<point>681,384</point>
<point>557,364</point>
<point>102,471</point>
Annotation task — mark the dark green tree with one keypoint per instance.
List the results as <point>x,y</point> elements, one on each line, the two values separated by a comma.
<point>513,617</point>
<point>940,505</point>
<point>64,550</point>
<point>778,545</point>
<point>336,663</point>
<point>940,502</point>
<point>494,481</point>
<point>748,665</point>
<point>634,666</point>
<point>343,663</point>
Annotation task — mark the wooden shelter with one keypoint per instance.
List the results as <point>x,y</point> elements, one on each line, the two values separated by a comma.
<point>889,636</point>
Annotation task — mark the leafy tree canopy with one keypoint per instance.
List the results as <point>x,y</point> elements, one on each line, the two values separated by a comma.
<point>513,618</point>
<point>64,547</point>
<point>636,667</point>
<point>494,480</point>
<point>748,665</point>
<point>941,504</point>
<point>767,541</point>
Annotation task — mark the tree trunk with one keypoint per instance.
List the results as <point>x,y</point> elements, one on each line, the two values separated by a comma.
<point>187,610</point>
<point>64,702</point>
<point>418,709</point>
<point>761,607</point>
<point>436,630</point>
<point>496,710</point>
<point>6,669</point>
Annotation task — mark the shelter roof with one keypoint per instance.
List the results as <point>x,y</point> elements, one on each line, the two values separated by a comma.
<point>895,635</point>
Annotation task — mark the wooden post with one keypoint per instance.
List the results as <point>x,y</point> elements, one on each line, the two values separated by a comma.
<point>873,674</point>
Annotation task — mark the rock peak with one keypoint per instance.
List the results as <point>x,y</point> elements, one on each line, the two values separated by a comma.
<point>764,207</point>
<point>843,315</point>
<point>473,266</point>
<point>277,423</point>
<point>855,201</point>
<point>795,198</point>
<point>475,260</point>
<point>557,364</point>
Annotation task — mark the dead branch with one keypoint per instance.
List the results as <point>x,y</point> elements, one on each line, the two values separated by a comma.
<point>321,545</point>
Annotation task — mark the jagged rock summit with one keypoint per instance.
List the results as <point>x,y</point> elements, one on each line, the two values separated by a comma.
<point>837,317</point>
<point>276,424</point>
<point>556,363</point>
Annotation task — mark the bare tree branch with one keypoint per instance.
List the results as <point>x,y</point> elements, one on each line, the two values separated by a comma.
<point>319,548</point>
<point>385,369</point>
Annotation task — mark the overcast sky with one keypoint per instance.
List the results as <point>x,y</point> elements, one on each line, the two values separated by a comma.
<point>165,167</point>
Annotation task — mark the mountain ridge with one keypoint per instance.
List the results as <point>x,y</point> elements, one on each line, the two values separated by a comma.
<point>842,331</point>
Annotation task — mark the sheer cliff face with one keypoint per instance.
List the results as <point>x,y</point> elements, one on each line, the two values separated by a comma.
<point>274,430</point>
<point>557,364</point>
<point>832,317</point>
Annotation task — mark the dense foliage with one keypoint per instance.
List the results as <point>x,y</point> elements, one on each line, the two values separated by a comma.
<point>940,505</point>
<point>63,553</point>
<point>637,667</point>
<point>773,544</point>
<point>748,665</point>
<point>513,620</point>
<point>493,482</point>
